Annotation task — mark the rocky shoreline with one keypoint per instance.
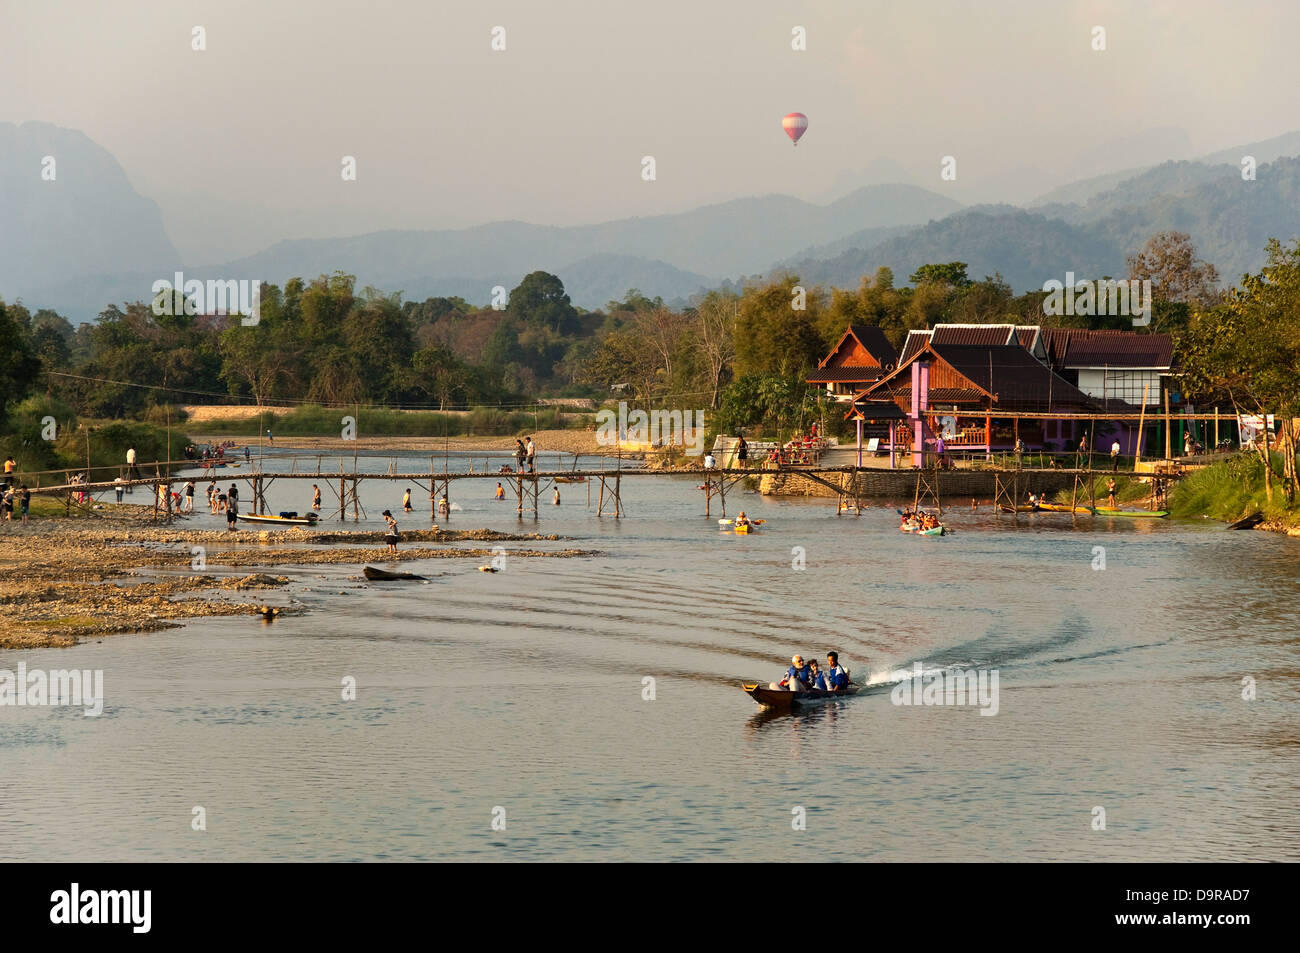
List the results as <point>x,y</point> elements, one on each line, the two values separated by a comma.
<point>62,580</point>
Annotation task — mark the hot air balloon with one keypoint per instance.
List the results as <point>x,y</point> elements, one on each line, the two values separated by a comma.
<point>794,125</point>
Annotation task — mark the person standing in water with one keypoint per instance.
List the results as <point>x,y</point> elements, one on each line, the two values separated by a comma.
<point>315,497</point>
<point>391,538</point>
<point>501,491</point>
<point>556,499</point>
<point>406,501</point>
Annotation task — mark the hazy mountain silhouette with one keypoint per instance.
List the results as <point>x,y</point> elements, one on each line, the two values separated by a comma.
<point>87,220</point>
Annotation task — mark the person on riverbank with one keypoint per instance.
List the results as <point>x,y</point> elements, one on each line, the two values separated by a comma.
<point>1110,491</point>
<point>232,511</point>
<point>406,501</point>
<point>11,466</point>
<point>1020,451</point>
<point>24,502</point>
<point>501,491</point>
<point>1083,450</point>
<point>212,496</point>
<point>132,472</point>
<point>232,497</point>
<point>742,451</point>
<point>1114,457</point>
<point>7,504</point>
<point>119,486</point>
<point>315,497</point>
<point>189,498</point>
<point>269,438</point>
<point>530,451</point>
<point>392,538</point>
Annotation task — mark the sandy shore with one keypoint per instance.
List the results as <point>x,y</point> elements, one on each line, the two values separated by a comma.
<point>62,580</point>
<point>546,441</point>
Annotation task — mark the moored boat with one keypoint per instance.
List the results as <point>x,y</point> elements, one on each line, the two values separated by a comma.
<point>1139,514</point>
<point>383,575</point>
<point>932,531</point>
<point>781,700</point>
<point>266,519</point>
<point>1247,522</point>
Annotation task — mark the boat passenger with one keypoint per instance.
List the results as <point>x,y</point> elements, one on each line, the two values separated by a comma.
<point>796,676</point>
<point>742,519</point>
<point>816,678</point>
<point>837,679</point>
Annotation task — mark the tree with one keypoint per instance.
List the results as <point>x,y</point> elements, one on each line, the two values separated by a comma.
<point>1248,349</point>
<point>18,363</point>
<point>952,274</point>
<point>540,299</point>
<point>715,331</point>
<point>1168,260</point>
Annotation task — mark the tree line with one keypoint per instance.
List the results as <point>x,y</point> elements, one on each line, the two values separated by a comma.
<point>741,351</point>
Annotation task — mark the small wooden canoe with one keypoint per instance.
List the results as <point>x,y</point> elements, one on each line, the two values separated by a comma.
<point>1139,514</point>
<point>932,531</point>
<point>1247,522</point>
<point>781,700</point>
<point>571,479</point>
<point>267,519</point>
<point>376,574</point>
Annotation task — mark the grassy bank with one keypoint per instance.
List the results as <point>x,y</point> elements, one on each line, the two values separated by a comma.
<point>1232,489</point>
<point>317,421</point>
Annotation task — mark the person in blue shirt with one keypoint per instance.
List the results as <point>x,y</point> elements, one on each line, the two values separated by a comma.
<point>816,678</point>
<point>837,679</point>
<point>797,676</point>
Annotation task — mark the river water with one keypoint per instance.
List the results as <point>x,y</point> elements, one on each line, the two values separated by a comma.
<point>504,716</point>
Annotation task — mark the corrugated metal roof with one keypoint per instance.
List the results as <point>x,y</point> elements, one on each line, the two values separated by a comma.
<point>1082,347</point>
<point>982,335</point>
<point>915,341</point>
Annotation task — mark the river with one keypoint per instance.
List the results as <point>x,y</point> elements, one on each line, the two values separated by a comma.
<point>506,716</point>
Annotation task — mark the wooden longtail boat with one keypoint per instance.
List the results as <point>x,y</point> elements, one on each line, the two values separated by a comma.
<point>781,700</point>
<point>383,575</point>
<point>266,519</point>
<point>1247,522</point>
<point>1139,514</point>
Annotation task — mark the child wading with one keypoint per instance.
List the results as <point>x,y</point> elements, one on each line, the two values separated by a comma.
<point>392,538</point>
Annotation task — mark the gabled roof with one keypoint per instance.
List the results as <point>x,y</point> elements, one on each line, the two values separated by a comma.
<point>1082,347</point>
<point>915,341</point>
<point>1007,375</point>
<point>871,338</point>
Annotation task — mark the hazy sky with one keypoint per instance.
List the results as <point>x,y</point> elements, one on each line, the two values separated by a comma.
<point>241,144</point>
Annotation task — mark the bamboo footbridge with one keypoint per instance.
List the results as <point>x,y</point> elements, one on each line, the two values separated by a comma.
<point>922,484</point>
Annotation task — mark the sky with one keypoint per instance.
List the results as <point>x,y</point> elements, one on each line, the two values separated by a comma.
<point>242,143</point>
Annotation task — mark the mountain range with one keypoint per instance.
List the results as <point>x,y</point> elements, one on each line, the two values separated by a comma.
<point>87,238</point>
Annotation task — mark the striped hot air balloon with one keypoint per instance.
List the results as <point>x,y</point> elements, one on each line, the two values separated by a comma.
<point>794,126</point>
